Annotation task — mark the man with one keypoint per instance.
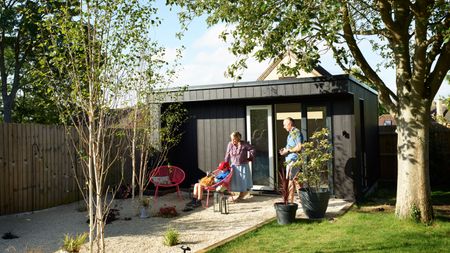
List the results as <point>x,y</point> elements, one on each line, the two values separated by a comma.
<point>293,146</point>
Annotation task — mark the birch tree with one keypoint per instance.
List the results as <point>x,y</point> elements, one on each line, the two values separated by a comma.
<point>411,36</point>
<point>151,138</point>
<point>95,52</point>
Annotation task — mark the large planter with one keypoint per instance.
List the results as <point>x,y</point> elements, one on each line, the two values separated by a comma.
<point>285,213</point>
<point>314,203</point>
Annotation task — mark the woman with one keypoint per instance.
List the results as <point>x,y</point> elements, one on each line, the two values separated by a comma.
<point>239,153</point>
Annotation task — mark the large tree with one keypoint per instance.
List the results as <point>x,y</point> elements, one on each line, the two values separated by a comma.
<point>18,33</point>
<point>411,36</point>
<point>25,96</point>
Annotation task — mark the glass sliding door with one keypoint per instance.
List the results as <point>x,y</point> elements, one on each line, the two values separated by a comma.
<point>259,134</point>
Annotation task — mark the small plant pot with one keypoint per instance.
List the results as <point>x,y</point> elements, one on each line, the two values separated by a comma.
<point>285,213</point>
<point>143,212</point>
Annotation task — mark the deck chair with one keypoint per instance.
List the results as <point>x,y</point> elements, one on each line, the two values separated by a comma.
<point>167,176</point>
<point>224,183</point>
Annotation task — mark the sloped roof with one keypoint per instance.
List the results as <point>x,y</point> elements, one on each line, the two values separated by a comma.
<point>271,73</point>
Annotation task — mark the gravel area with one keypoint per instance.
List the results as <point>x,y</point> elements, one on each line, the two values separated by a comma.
<point>43,231</point>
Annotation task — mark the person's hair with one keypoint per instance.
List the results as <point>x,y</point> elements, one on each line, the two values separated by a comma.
<point>290,120</point>
<point>236,135</point>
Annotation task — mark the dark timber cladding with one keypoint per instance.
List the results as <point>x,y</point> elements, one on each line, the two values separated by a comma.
<point>217,110</point>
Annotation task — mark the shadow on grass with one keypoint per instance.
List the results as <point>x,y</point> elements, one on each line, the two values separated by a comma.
<point>383,200</point>
<point>441,197</point>
<point>308,221</point>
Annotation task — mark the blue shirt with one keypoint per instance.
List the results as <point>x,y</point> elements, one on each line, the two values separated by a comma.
<point>294,138</point>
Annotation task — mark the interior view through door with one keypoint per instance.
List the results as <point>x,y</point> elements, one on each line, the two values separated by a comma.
<point>312,119</point>
<point>282,111</point>
<point>260,135</point>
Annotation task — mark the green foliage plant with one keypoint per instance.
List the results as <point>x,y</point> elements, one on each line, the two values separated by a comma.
<point>145,202</point>
<point>171,237</point>
<point>415,214</point>
<point>313,159</point>
<point>74,243</point>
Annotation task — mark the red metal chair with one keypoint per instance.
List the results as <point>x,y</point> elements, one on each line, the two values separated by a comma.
<point>167,176</point>
<point>224,183</point>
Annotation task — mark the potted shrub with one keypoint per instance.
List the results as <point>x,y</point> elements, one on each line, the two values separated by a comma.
<point>313,159</point>
<point>285,211</point>
<point>145,204</point>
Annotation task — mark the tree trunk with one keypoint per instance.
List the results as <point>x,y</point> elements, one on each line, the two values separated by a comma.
<point>101,219</point>
<point>91,187</point>
<point>413,183</point>
<point>7,109</point>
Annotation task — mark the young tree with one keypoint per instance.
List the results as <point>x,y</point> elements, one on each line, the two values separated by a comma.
<point>150,139</point>
<point>411,36</point>
<point>95,53</point>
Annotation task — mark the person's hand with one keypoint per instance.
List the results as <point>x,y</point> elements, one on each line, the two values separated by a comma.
<point>283,151</point>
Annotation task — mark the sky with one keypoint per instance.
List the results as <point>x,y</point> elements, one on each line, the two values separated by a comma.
<point>206,57</point>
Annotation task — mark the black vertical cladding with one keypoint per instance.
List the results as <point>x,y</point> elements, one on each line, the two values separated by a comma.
<point>217,110</point>
<point>205,136</point>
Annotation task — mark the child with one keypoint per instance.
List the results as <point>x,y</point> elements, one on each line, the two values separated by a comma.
<point>221,173</point>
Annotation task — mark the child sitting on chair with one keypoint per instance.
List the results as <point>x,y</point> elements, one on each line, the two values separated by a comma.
<point>218,175</point>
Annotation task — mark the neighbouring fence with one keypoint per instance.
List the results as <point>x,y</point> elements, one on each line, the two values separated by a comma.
<point>439,156</point>
<point>38,165</point>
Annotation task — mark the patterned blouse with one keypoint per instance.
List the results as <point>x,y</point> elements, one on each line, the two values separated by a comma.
<point>240,154</point>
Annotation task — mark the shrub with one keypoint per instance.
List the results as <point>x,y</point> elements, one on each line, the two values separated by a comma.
<point>73,244</point>
<point>171,237</point>
<point>313,159</point>
<point>168,212</point>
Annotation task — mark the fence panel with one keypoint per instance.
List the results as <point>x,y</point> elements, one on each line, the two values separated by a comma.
<point>439,151</point>
<point>38,166</point>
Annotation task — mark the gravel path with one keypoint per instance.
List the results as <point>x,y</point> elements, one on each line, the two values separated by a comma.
<point>43,231</point>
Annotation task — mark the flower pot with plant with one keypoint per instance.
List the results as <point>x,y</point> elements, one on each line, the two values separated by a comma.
<point>145,204</point>
<point>314,158</point>
<point>285,211</point>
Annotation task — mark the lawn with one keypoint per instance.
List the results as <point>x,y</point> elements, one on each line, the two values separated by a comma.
<point>369,227</point>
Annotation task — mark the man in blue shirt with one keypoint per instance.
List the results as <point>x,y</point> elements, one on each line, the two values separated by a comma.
<point>293,146</point>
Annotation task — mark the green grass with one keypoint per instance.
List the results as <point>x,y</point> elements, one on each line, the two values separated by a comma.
<point>369,227</point>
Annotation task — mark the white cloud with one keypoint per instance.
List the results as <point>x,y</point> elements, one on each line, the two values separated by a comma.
<point>207,59</point>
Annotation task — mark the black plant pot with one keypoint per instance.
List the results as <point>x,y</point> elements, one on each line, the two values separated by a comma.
<point>285,213</point>
<point>314,203</point>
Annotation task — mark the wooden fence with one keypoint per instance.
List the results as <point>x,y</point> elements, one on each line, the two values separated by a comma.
<point>439,154</point>
<point>38,168</point>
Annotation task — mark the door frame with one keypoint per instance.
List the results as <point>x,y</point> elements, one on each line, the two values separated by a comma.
<point>270,152</point>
